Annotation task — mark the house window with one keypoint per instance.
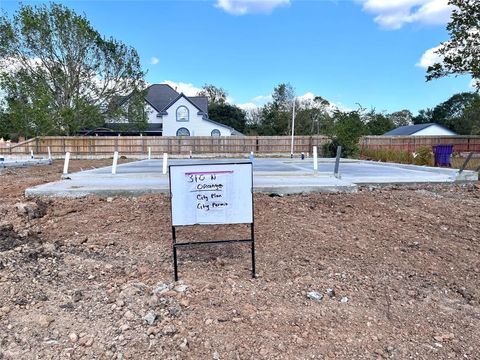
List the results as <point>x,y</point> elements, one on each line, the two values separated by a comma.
<point>215,132</point>
<point>183,132</point>
<point>182,113</point>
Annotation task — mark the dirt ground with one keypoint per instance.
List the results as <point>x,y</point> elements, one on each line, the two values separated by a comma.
<point>397,271</point>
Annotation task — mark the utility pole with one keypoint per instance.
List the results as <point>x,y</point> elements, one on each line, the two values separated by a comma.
<point>293,128</point>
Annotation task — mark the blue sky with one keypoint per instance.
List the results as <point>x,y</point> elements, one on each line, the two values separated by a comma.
<point>360,51</point>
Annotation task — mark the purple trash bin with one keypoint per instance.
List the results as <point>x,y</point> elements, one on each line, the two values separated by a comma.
<point>443,154</point>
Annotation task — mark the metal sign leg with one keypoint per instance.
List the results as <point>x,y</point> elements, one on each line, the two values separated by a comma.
<point>175,265</point>
<point>253,251</point>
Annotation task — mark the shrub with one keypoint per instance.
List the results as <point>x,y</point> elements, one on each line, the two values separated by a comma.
<point>424,156</point>
<point>387,155</point>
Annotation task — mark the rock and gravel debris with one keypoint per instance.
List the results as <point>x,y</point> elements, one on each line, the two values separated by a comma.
<point>91,278</point>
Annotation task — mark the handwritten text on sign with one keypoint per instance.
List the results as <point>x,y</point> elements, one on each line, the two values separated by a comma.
<point>211,194</point>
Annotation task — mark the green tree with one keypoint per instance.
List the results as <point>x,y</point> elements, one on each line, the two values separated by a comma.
<point>471,115</point>
<point>452,115</point>
<point>460,54</point>
<point>220,110</point>
<point>423,117</point>
<point>401,118</point>
<point>276,116</point>
<point>273,121</point>
<point>378,124</point>
<point>312,117</point>
<point>60,75</point>
<point>347,130</point>
<point>215,95</point>
<point>227,114</point>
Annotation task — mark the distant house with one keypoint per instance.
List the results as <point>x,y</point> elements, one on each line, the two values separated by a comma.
<point>430,129</point>
<point>174,114</point>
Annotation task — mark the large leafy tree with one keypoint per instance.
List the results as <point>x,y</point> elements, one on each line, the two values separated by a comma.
<point>60,75</point>
<point>347,130</point>
<point>424,117</point>
<point>277,115</point>
<point>453,115</point>
<point>215,95</point>
<point>378,123</point>
<point>460,54</point>
<point>401,118</point>
<point>220,110</point>
<point>230,115</point>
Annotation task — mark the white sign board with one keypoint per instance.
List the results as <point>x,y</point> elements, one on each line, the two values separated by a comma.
<point>211,194</point>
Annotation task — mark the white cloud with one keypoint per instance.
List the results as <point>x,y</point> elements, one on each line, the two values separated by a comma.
<point>262,99</point>
<point>429,58</point>
<point>186,88</point>
<point>243,7</point>
<point>393,14</point>
<point>154,60</point>
<point>308,100</point>
<point>248,106</point>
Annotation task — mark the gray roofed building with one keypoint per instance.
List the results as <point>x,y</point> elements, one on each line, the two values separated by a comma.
<point>170,113</point>
<point>430,129</point>
<point>201,102</point>
<point>162,95</point>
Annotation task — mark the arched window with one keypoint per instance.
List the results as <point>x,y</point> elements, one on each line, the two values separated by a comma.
<point>183,132</point>
<point>215,132</point>
<point>182,113</point>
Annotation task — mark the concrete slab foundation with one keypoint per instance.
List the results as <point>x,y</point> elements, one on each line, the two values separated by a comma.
<point>275,175</point>
<point>19,162</point>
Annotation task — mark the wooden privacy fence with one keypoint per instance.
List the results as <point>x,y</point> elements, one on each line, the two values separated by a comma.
<point>412,143</point>
<point>87,146</point>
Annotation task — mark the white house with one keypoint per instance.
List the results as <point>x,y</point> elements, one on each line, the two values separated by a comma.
<point>174,114</point>
<point>430,129</point>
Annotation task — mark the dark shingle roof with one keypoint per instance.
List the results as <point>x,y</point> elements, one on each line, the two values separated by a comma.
<point>160,95</point>
<point>201,102</point>
<point>410,129</point>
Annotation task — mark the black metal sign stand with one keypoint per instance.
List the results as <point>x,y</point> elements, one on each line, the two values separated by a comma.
<point>177,245</point>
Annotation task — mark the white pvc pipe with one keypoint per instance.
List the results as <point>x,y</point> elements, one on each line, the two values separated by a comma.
<point>31,154</point>
<point>49,153</point>
<point>65,164</point>
<point>315,160</point>
<point>165,160</point>
<point>293,127</point>
<point>115,160</point>
<point>149,153</point>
